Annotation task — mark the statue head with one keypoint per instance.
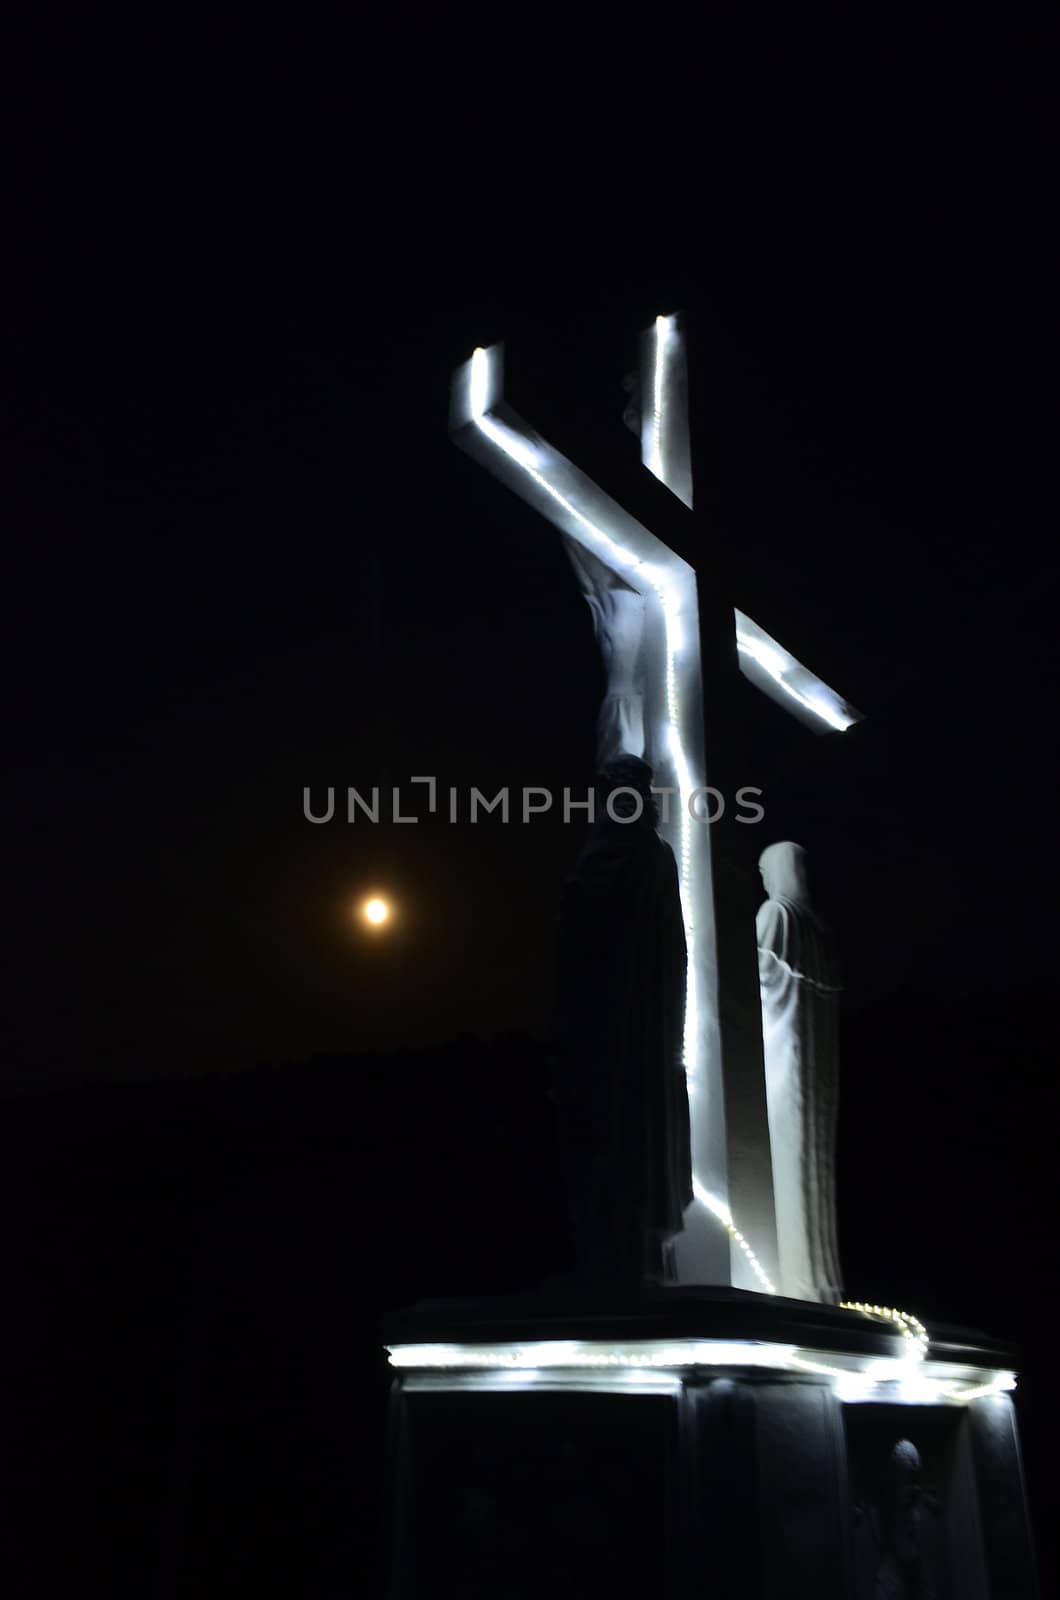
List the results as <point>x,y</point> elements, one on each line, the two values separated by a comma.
<point>632,778</point>
<point>903,1465</point>
<point>784,875</point>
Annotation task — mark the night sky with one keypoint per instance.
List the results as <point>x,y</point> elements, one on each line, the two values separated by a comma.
<point>242,555</point>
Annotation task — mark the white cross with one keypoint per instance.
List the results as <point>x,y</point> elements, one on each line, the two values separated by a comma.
<point>731,1164</point>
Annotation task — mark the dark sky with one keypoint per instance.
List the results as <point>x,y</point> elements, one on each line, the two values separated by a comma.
<point>242,555</point>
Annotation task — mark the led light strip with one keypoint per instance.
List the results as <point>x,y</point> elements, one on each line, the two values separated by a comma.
<point>1001,1383</point>
<point>724,1216</point>
<point>544,1360</point>
<point>655,465</point>
<point>575,1354</point>
<point>910,1327</point>
<point>774,664</point>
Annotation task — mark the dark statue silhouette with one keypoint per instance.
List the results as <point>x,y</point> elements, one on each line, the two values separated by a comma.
<point>896,1532</point>
<point>621,1099</point>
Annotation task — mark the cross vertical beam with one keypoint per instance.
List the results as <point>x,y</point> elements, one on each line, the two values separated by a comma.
<point>732,1159</point>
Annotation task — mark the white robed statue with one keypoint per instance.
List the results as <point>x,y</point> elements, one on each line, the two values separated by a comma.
<point>800,999</point>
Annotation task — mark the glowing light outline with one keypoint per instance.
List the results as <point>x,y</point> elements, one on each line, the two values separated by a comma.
<point>909,1327</point>
<point>655,461</point>
<point>775,661</point>
<point>725,1217</point>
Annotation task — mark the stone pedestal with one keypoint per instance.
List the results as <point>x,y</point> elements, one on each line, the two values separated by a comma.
<point>698,1441</point>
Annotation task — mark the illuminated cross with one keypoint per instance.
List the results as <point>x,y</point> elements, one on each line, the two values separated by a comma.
<point>730,1234</point>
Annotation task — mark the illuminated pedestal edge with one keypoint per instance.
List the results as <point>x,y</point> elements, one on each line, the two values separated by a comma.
<point>655,1364</point>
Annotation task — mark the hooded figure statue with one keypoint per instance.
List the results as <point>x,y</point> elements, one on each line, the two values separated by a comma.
<point>799,984</point>
<point>621,1098</point>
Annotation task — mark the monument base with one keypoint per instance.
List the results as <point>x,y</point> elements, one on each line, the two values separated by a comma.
<point>689,1440</point>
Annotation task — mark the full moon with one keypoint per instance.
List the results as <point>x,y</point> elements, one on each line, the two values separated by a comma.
<point>376,911</point>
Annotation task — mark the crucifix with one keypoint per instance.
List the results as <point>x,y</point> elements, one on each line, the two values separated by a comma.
<point>672,641</point>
